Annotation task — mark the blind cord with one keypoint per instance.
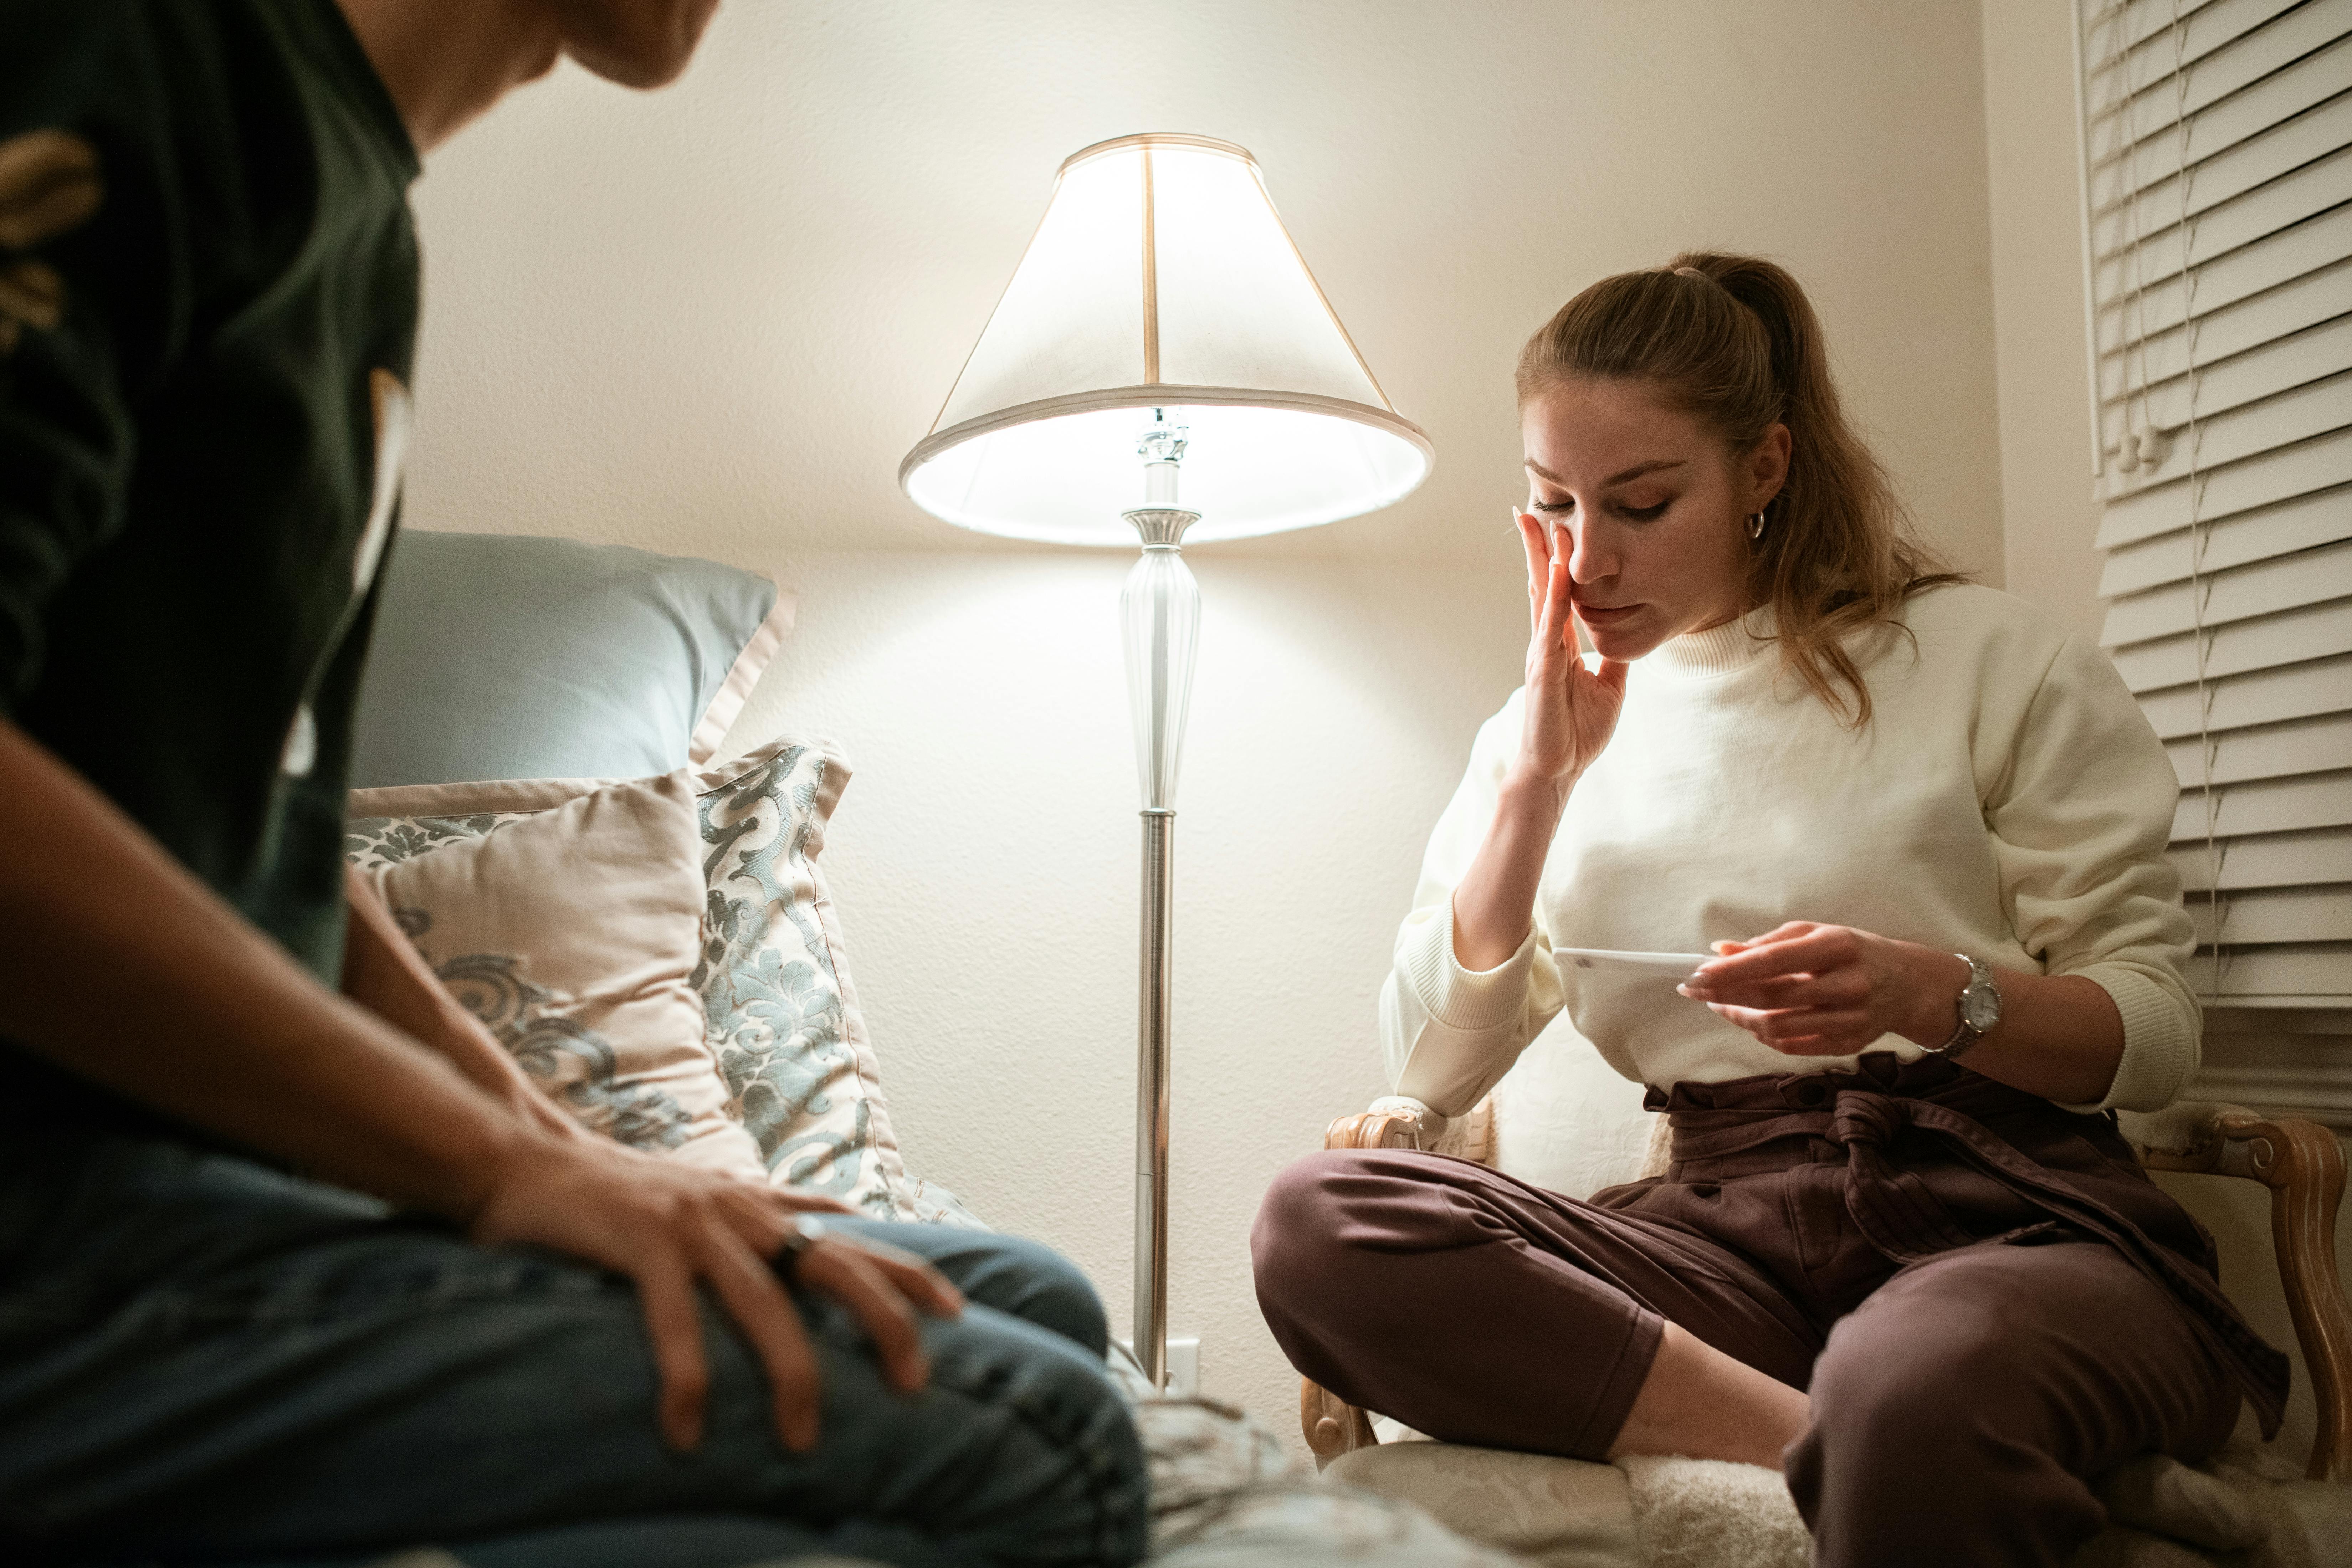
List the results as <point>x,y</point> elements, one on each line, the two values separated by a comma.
<point>2216,905</point>
<point>2134,300</point>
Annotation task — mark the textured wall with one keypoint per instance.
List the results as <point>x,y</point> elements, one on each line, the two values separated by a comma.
<point>2043,373</point>
<point>712,320</point>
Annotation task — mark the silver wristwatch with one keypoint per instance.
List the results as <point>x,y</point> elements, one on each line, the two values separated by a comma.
<point>1979,1007</point>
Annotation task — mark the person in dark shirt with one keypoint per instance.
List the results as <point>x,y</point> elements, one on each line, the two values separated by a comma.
<point>467,1322</point>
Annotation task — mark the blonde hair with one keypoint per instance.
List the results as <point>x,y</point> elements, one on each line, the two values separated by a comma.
<point>1733,342</point>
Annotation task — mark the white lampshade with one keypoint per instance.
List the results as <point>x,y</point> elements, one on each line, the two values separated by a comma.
<point>1162,278</point>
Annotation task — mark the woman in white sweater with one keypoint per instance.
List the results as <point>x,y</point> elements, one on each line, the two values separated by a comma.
<point>1902,1253</point>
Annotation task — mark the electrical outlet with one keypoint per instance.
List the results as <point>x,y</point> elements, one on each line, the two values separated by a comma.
<point>1184,1365</point>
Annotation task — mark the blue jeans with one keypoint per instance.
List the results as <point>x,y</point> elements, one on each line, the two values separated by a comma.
<point>204,1360</point>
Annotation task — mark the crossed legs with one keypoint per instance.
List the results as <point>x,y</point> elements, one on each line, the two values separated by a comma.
<point>1480,1310</point>
<point>1976,1390</point>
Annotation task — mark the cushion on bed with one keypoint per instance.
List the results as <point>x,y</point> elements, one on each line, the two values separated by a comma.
<point>507,657</point>
<point>603,1012</point>
<point>778,1012</point>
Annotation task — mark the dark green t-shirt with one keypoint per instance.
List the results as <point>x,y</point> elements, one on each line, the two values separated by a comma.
<point>208,288</point>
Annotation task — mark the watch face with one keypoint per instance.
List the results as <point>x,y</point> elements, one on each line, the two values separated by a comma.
<point>1980,1007</point>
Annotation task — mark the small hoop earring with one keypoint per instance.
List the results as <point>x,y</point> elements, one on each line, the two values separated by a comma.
<point>1756,526</point>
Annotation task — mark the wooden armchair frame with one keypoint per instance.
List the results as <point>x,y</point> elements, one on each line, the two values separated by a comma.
<point>2299,1161</point>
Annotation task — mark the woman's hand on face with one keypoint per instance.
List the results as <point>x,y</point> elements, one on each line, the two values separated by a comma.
<point>1570,711</point>
<point>1812,990</point>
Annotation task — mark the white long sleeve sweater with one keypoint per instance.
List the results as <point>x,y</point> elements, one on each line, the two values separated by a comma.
<point>2007,801</point>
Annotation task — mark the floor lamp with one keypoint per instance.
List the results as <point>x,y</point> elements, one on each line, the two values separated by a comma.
<point>1162,324</point>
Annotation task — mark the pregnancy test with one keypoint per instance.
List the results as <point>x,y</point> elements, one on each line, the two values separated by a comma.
<point>1678,965</point>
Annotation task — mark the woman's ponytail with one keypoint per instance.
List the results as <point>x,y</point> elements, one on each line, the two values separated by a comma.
<point>1732,341</point>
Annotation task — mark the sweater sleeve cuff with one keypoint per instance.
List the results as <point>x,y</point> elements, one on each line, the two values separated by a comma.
<point>1465,999</point>
<point>2159,1042</point>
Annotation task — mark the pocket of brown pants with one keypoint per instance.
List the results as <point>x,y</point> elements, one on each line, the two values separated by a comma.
<point>1816,1196</point>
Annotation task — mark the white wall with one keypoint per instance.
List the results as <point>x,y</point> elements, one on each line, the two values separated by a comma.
<point>710,322</point>
<point>2043,373</point>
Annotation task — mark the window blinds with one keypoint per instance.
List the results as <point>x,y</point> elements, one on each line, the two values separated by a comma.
<point>2217,188</point>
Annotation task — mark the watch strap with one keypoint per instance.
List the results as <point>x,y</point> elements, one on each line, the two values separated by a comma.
<point>1964,1033</point>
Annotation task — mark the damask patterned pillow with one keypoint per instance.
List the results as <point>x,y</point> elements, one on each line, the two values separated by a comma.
<point>603,1012</point>
<point>781,1013</point>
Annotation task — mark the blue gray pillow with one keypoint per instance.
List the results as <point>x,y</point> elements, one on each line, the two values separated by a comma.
<point>507,657</point>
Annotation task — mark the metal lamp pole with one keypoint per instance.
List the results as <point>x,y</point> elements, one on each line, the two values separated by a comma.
<point>1160,611</point>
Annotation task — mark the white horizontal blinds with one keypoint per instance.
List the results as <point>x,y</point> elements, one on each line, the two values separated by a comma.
<point>2217,180</point>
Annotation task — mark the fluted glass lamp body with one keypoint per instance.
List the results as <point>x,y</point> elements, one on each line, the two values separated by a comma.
<point>1160,610</point>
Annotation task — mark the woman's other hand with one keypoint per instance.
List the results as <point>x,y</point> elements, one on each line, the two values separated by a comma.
<point>1812,990</point>
<point>674,1229</point>
<point>1570,711</point>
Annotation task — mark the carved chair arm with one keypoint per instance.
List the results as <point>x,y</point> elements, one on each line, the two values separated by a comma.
<point>2302,1165</point>
<point>1397,1121</point>
<point>1374,1130</point>
<point>1332,1426</point>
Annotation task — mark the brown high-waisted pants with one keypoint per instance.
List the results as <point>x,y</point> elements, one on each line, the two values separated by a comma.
<point>1986,1298</point>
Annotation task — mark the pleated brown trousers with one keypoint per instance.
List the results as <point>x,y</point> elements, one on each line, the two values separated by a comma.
<point>1987,1298</point>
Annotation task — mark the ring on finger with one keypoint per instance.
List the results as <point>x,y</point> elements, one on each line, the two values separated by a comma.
<point>800,1232</point>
